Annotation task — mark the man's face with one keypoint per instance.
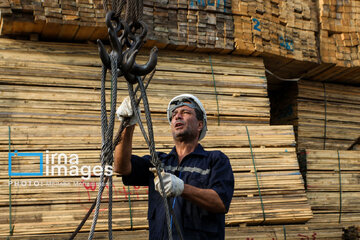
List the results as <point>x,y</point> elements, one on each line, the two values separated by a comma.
<point>184,124</point>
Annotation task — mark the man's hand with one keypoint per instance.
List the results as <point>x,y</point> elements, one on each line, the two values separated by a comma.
<point>125,111</point>
<point>173,185</point>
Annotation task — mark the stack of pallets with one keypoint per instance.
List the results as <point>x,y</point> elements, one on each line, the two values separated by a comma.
<point>207,26</point>
<point>325,115</point>
<point>333,188</point>
<point>46,199</point>
<point>51,96</point>
<point>339,32</point>
<point>282,28</point>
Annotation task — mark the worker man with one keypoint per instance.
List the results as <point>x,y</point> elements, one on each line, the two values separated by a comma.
<point>199,183</point>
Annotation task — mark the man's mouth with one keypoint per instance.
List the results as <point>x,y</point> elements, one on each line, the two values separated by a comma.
<point>178,124</point>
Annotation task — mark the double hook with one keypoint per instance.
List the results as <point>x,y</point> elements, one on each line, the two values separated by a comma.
<point>126,47</point>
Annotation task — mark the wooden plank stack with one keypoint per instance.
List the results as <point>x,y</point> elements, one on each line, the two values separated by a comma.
<point>339,32</point>
<point>117,235</point>
<point>313,31</point>
<point>45,200</point>
<point>50,93</point>
<point>326,116</point>
<point>249,232</point>
<point>282,28</point>
<point>283,232</point>
<point>333,187</point>
<point>190,25</point>
<point>43,81</point>
<point>207,26</point>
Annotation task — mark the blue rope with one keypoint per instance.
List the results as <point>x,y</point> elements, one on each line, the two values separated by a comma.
<point>173,205</point>
<point>10,207</point>
<point>284,232</point>
<point>257,180</point>
<point>216,94</point>
<point>325,116</point>
<point>340,190</point>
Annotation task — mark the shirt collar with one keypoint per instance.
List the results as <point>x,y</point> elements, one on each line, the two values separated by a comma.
<point>199,150</point>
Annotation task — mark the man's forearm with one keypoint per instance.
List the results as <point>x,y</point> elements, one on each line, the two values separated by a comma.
<point>205,198</point>
<point>123,151</point>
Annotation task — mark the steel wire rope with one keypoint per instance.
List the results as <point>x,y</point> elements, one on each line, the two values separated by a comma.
<point>107,148</point>
<point>149,139</point>
<point>124,123</point>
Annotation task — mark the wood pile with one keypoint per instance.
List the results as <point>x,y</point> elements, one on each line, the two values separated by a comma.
<point>283,232</point>
<point>44,200</point>
<point>184,24</point>
<point>117,235</point>
<point>313,31</point>
<point>59,83</point>
<point>50,93</point>
<point>333,187</point>
<point>190,25</point>
<point>339,32</point>
<point>282,28</point>
<point>325,115</point>
<point>301,231</point>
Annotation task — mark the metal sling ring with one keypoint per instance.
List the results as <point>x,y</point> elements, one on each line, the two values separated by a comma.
<point>115,41</point>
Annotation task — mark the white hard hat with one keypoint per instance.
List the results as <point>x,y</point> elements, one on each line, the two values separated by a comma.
<point>195,103</point>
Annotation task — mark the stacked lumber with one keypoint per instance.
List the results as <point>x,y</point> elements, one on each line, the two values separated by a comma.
<point>282,28</point>
<point>39,202</point>
<point>326,116</point>
<point>339,32</point>
<point>50,93</point>
<point>333,187</point>
<point>253,232</point>
<point>185,24</point>
<point>117,235</point>
<point>55,83</point>
<point>190,25</point>
<point>283,232</point>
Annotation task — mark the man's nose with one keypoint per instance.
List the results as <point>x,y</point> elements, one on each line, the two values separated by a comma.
<point>178,115</point>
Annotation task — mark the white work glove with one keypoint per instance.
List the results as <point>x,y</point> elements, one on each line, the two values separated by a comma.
<point>125,111</point>
<point>173,185</point>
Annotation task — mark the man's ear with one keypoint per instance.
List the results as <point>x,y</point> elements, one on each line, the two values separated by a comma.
<point>200,125</point>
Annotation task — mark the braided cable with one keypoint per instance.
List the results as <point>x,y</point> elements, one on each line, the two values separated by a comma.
<point>110,207</point>
<point>154,157</point>
<point>106,154</point>
<point>87,215</point>
<point>103,105</point>
<point>155,160</point>
<point>110,130</point>
<point>105,5</point>
<point>125,122</point>
<point>138,10</point>
<point>132,98</point>
<point>98,200</point>
<point>117,139</point>
<point>141,10</point>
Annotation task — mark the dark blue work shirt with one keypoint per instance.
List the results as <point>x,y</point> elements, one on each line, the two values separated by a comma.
<point>202,169</point>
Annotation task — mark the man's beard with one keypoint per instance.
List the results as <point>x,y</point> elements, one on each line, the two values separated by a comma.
<point>184,136</point>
